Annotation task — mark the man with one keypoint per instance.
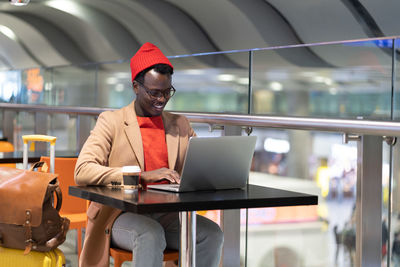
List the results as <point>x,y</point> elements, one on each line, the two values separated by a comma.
<point>140,134</point>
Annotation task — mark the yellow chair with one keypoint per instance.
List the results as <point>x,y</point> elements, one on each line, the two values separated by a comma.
<point>72,207</point>
<point>7,147</point>
<point>120,255</point>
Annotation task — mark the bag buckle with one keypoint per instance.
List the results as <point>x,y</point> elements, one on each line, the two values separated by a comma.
<point>28,246</point>
<point>29,241</point>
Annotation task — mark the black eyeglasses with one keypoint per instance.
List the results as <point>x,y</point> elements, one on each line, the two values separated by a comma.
<point>166,93</point>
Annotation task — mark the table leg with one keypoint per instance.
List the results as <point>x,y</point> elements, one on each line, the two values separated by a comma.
<point>369,202</point>
<point>187,246</point>
<point>230,224</point>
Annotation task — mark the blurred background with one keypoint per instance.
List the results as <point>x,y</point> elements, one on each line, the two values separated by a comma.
<point>316,59</point>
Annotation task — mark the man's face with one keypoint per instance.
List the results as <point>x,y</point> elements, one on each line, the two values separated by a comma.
<point>146,104</point>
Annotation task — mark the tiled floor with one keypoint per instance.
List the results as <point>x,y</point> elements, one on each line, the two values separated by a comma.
<point>69,249</point>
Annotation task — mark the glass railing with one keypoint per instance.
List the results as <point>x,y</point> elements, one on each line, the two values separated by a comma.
<point>351,80</point>
<point>347,79</point>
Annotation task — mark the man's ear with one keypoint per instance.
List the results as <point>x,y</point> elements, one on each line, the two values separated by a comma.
<point>135,86</point>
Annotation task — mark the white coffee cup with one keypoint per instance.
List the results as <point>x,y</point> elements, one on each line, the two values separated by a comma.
<point>131,177</point>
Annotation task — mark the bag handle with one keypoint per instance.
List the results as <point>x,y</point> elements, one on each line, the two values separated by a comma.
<point>39,164</point>
<point>58,195</point>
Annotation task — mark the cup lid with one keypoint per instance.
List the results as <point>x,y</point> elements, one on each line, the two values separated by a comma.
<point>131,169</point>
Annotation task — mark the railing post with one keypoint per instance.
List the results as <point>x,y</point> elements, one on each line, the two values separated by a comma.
<point>83,127</point>
<point>8,125</point>
<point>41,119</point>
<point>369,201</point>
<point>230,222</point>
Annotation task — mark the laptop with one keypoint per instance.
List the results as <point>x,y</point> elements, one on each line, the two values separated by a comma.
<point>214,163</point>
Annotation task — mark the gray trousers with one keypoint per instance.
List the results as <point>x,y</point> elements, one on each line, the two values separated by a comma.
<point>148,235</point>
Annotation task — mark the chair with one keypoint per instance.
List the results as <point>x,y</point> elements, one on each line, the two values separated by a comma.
<point>120,255</point>
<point>7,147</point>
<point>72,207</point>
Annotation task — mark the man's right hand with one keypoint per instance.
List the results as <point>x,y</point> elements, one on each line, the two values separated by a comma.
<point>164,173</point>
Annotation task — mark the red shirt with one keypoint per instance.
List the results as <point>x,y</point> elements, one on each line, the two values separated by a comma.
<point>154,144</point>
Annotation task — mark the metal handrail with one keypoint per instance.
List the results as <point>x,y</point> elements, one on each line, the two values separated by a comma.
<point>364,127</point>
<point>55,109</point>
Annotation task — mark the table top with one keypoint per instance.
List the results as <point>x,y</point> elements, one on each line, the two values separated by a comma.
<point>151,201</point>
<point>17,156</point>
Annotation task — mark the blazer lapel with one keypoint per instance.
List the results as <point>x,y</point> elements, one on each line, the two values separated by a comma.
<point>133,135</point>
<point>172,139</point>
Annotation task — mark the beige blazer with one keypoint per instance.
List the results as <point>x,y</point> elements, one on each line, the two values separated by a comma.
<point>114,142</point>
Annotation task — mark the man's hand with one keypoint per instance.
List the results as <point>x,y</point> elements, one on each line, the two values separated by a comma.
<point>159,174</point>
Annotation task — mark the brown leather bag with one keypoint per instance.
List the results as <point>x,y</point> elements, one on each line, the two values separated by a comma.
<point>28,218</point>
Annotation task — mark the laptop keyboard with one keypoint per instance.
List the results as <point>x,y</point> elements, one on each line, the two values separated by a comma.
<point>170,186</point>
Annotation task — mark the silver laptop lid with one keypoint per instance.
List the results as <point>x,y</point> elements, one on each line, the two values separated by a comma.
<point>217,163</point>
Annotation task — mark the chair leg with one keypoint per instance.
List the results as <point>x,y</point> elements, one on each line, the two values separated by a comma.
<point>117,262</point>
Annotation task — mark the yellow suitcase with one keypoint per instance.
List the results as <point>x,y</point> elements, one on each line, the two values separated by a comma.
<point>15,258</point>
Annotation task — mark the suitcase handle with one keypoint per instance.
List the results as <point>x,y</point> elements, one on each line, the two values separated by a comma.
<point>39,138</point>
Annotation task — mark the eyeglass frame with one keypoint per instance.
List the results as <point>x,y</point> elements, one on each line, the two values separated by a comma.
<point>159,91</point>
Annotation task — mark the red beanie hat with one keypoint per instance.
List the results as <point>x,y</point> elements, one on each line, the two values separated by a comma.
<point>147,56</point>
